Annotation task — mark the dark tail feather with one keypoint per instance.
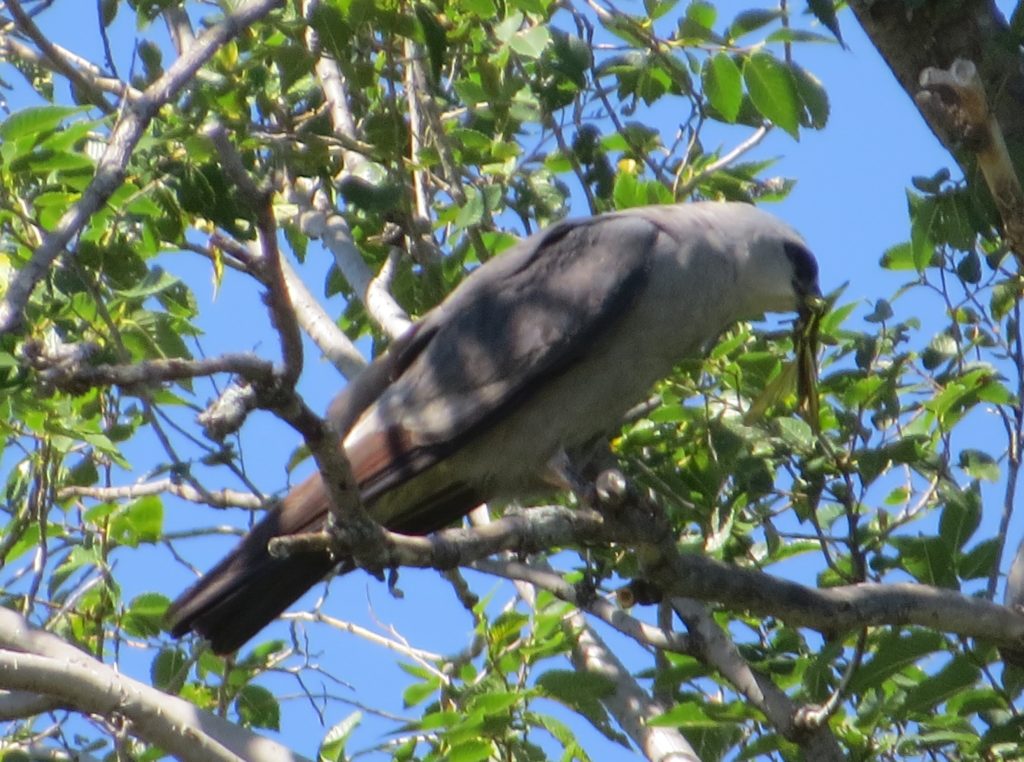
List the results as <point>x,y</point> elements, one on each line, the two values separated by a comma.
<point>249,588</point>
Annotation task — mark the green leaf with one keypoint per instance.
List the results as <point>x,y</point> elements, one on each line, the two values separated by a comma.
<point>940,349</point>
<point>796,433</point>
<point>979,560</point>
<point>145,613</point>
<point>473,750</point>
<point>961,514</point>
<point>582,691</point>
<point>881,313</point>
<point>169,670</point>
<point>497,702</point>
<point>928,560</point>
<point>813,96</point>
<point>530,42</point>
<point>773,91</point>
<point>893,652</point>
<point>418,692</point>
<point>140,521</point>
<point>485,9</point>
<point>702,13</point>
<point>34,121</point>
<point>258,708</point>
<point>723,85</point>
<point>960,674</point>
<point>332,28</point>
<point>825,12</point>
<point>434,36</point>
<point>658,8</point>
<point>969,268</point>
<point>750,21</point>
<point>696,25</point>
<point>688,714</point>
<point>155,281</point>
<point>898,257</point>
<point>923,212</point>
<point>332,748</point>
<point>979,465</point>
<point>108,10</point>
<point>1004,297</point>
<point>472,212</point>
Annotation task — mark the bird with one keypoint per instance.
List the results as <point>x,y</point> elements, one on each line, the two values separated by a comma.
<point>536,353</point>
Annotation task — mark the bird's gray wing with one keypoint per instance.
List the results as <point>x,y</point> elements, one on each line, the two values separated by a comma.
<point>512,326</point>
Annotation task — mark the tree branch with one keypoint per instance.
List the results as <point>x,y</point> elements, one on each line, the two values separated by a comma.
<point>831,611</point>
<point>123,139</point>
<point>641,632</point>
<point>37,662</point>
<point>224,498</point>
<point>68,373</point>
<point>59,62</point>
<point>956,98</point>
<point>316,218</point>
<point>629,704</point>
<point>716,649</point>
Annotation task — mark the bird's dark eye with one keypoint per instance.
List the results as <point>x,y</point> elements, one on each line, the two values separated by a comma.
<point>805,266</point>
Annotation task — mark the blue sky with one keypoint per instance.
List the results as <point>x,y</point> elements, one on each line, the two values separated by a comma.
<point>849,202</point>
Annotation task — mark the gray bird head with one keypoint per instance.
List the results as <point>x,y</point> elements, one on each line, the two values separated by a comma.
<point>774,264</point>
<point>770,266</point>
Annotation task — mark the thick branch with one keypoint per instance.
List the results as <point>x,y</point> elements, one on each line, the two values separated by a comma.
<point>12,48</point>
<point>35,661</point>
<point>934,36</point>
<point>17,705</point>
<point>629,704</point>
<point>839,609</point>
<point>956,97</point>
<point>831,611</point>
<point>320,327</point>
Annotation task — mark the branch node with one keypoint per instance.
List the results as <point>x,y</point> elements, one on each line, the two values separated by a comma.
<point>955,99</point>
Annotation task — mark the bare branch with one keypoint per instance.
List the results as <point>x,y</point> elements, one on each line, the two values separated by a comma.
<point>70,374</point>
<point>831,611</point>
<point>643,633</point>
<point>12,48</point>
<point>223,498</point>
<point>269,259</point>
<point>316,218</point>
<point>110,168</point>
<point>320,327</point>
<point>723,161</point>
<point>361,632</point>
<point>956,98</point>
<point>78,80</point>
<point>379,301</point>
<point>720,653</point>
<point>35,661</point>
